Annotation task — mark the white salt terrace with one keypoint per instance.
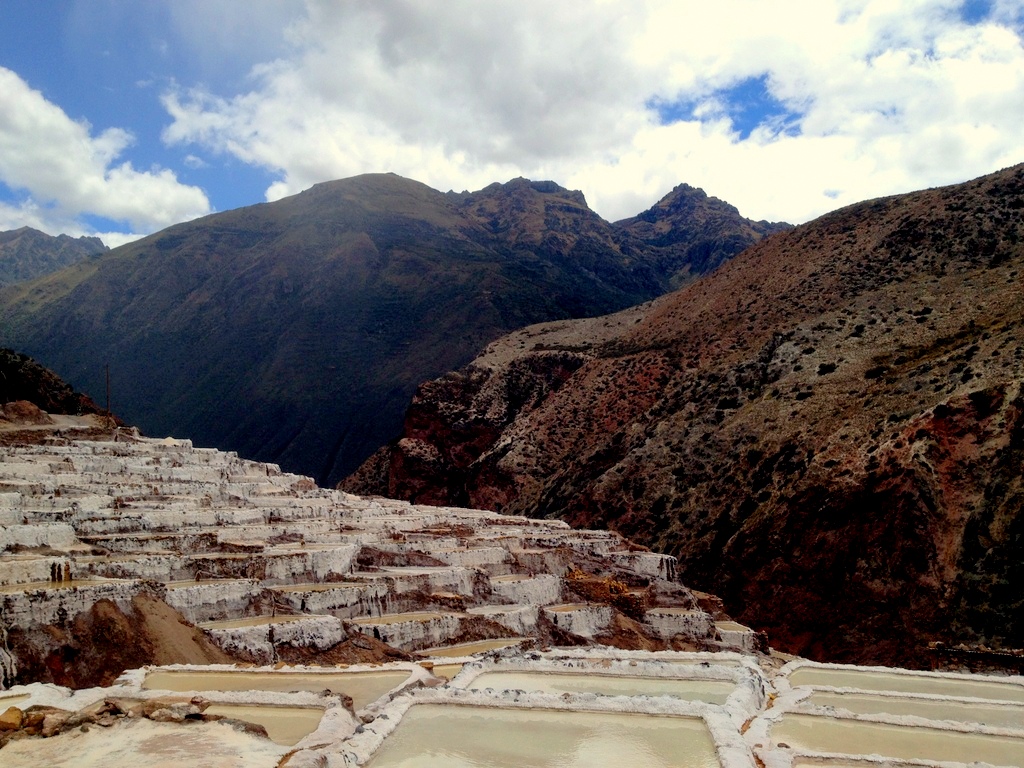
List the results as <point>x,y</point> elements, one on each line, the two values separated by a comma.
<point>263,561</point>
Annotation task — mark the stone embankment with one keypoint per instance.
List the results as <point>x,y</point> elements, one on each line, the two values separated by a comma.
<point>269,566</point>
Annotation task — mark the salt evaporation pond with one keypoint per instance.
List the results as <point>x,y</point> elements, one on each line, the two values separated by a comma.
<point>447,671</point>
<point>876,680</point>
<point>858,737</point>
<point>468,649</point>
<point>451,736</point>
<point>285,725</point>
<point>363,687</point>
<point>397,618</point>
<point>710,691</point>
<point>1003,716</point>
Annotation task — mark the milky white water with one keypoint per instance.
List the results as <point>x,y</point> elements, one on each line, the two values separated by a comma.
<point>285,725</point>
<point>440,736</point>
<point>363,687</point>
<point>1004,716</point>
<point>871,680</point>
<point>853,737</point>
<point>711,691</point>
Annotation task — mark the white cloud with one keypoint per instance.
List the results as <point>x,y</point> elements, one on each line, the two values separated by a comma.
<point>884,97</point>
<point>62,170</point>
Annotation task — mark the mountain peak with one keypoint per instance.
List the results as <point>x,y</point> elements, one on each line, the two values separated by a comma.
<point>27,253</point>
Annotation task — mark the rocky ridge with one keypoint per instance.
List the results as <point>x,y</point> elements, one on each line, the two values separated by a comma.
<point>826,430</point>
<point>297,331</point>
<point>27,253</point>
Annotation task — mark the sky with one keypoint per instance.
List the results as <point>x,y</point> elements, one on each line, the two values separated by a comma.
<point>119,118</point>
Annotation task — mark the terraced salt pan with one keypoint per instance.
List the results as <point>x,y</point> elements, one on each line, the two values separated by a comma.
<point>285,725</point>
<point>322,587</point>
<point>10,589</point>
<point>468,649</point>
<point>878,680</point>
<point>399,618</point>
<point>811,733</point>
<point>710,691</point>
<point>1003,716</point>
<point>447,671</point>
<point>252,621</point>
<point>363,687</point>
<point>477,737</point>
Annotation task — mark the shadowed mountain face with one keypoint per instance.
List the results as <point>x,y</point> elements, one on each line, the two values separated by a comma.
<point>27,253</point>
<point>297,331</point>
<point>828,431</point>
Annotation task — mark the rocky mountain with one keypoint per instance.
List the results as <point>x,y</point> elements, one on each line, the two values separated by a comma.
<point>27,253</point>
<point>692,234</point>
<point>297,331</point>
<point>827,431</point>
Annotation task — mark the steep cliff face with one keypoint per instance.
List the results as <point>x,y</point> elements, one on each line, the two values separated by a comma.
<point>825,430</point>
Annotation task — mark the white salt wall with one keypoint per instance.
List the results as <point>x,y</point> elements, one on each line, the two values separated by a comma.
<point>291,566</point>
<point>582,620</point>
<point>521,619</point>
<point>553,561</point>
<point>416,633</point>
<point>157,567</point>
<point>213,600</point>
<point>346,602</point>
<point>536,590</point>
<point>672,622</point>
<point>261,640</point>
<point>737,636</point>
<point>471,558</point>
<point>457,580</point>
<point>647,563</point>
<point>55,606</point>
<point>23,569</point>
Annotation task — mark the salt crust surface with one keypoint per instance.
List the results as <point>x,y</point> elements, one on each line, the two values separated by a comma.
<point>341,740</point>
<point>135,743</point>
<point>167,536</point>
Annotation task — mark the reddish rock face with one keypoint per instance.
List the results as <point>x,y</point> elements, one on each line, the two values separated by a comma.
<point>826,431</point>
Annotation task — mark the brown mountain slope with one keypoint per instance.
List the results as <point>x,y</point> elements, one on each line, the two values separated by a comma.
<point>828,431</point>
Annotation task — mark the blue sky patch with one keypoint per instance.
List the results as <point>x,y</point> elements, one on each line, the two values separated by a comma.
<point>748,104</point>
<point>974,11</point>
